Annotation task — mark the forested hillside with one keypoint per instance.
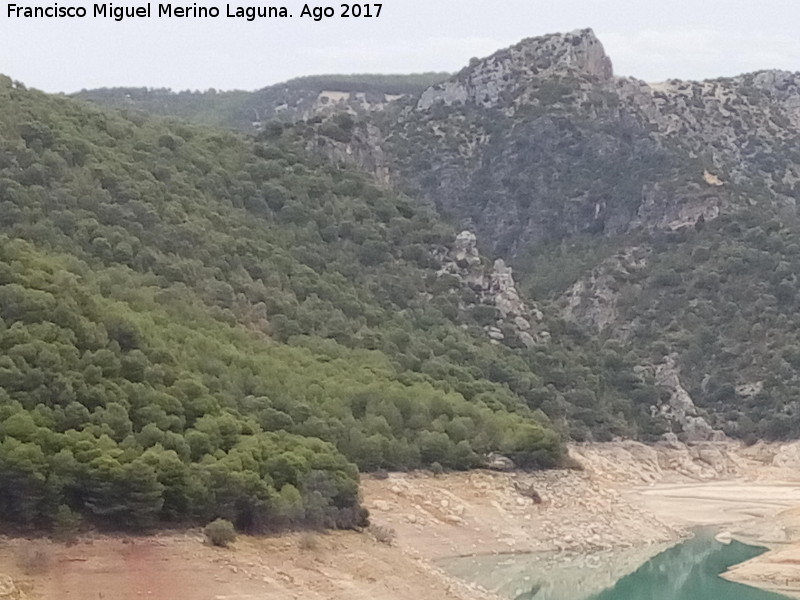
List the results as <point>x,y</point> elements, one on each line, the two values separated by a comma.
<point>290,101</point>
<point>198,323</point>
<point>661,216</point>
<point>195,324</point>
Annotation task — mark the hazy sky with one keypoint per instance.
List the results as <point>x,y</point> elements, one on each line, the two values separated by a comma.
<point>650,40</point>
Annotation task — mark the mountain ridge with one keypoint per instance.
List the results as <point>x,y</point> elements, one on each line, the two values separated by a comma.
<point>196,324</point>
<point>627,267</point>
<point>638,200</point>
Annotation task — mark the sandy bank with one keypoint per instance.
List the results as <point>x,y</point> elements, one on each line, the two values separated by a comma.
<point>779,569</point>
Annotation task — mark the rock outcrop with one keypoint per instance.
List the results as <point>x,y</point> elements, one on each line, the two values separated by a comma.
<point>540,142</point>
<point>592,302</point>
<point>630,461</point>
<point>360,147</point>
<point>492,287</point>
<point>680,409</point>
<point>747,126</point>
<point>492,82</point>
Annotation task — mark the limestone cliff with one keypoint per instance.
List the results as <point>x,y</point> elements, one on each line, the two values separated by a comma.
<point>502,80</point>
<point>540,142</point>
<point>512,319</point>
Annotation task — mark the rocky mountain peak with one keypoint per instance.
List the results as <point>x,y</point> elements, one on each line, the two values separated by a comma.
<point>582,50</point>
<point>491,81</point>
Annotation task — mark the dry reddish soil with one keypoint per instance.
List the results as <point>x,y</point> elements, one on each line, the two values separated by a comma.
<point>341,566</point>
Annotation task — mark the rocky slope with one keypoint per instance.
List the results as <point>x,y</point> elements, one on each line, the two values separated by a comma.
<point>645,211</point>
<point>542,141</point>
<point>585,510</point>
<point>492,291</point>
<point>629,502</point>
<point>656,219</point>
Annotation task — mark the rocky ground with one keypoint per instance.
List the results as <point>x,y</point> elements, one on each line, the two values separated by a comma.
<point>627,495</point>
<point>485,513</point>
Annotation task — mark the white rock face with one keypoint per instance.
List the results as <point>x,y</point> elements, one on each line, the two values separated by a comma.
<point>788,455</point>
<point>592,302</point>
<point>487,82</point>
<point>680,408</point>
<point>465,250</point>
<point>502,286</point>
<point>494,287</point>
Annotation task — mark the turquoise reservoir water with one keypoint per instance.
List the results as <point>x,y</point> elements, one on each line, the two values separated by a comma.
<point>687,571</point>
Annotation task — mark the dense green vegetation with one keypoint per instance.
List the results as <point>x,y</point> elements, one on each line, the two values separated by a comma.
<point>200,325</point>
<point>724,298</point>
<point>195,325</point>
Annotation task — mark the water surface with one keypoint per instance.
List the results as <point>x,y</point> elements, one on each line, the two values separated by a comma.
<point>686,571</point>
<point>690,571</point>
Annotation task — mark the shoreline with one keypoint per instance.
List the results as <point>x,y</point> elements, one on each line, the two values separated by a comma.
<point>670,489</point>
<point>629,502</point>
<point>778,569</point>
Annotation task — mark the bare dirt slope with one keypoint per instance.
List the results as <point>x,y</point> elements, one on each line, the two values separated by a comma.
<point>627,494</point>
<point>341,566</point>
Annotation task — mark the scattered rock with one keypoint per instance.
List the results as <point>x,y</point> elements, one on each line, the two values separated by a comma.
<point>529,492</point>
<point>498,462</point>
<point>9,590</point>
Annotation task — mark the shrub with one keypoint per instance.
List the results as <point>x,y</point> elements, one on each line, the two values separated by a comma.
<point>66,525</point>
<point>220,533</point>
<point>437,469</point>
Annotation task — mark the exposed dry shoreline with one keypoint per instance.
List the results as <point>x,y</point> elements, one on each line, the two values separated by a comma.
<point>628,496</point>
